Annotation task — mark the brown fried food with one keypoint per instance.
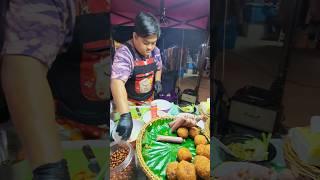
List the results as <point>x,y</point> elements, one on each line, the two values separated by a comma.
<point>207,151</point>
<point>202,166</point>
<point>200,149</point>
<point>184,154</point>
<point>203,150</point>
<point>193,132</point>
<point>197,158</point>
<point>186,171</point>
<point>200,139</point>
<point>183,132</point>
<point>172,170</point>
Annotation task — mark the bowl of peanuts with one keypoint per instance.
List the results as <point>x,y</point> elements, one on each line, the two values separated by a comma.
<point>122,161</point>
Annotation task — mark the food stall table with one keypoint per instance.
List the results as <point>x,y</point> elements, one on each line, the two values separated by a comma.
<point>142,114</point>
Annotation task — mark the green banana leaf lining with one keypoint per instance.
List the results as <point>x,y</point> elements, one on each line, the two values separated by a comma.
<point>158,154</point>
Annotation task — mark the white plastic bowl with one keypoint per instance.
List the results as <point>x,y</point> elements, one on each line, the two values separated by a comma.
<point>162,104</point>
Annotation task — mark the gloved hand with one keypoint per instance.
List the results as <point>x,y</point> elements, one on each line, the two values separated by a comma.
<point>125,125</point>
<point>157,87</point>
<point>52,171</point>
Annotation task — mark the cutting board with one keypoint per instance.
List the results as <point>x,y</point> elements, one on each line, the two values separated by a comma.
<point>73,153</point>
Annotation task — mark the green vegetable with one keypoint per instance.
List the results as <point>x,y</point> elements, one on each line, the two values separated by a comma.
<point>253,149</point>
<point>187,109</point>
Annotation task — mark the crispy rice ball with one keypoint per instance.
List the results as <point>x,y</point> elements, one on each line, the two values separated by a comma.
<point>182,132</point>
<point>171,170</point>
<point>193,132</point>
<point>186,171</point>
<point>200,139</point>
<point>202,166</point>
<point>203,150</point>
<point>184,154</point>
<point>200,149</point>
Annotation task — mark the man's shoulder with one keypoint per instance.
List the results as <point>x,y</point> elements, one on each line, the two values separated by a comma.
<point>123,52</point>
<point>123,49</point>
<point>156,50</point>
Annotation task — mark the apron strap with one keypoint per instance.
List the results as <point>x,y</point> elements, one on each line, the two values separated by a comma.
<point>130,49</point>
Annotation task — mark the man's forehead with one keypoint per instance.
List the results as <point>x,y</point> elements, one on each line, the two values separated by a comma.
<point>152,38</point>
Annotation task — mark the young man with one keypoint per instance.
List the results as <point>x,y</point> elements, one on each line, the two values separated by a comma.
<point>136,70</point>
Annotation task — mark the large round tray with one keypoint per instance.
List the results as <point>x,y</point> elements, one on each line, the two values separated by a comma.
<point>153,160</point>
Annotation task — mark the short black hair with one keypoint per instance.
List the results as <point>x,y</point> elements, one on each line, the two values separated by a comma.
<point>146,24</point>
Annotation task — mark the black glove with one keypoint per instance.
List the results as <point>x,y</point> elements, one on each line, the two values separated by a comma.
<point>125,125</point>
<point>52,171</point>
<point>157,87</point>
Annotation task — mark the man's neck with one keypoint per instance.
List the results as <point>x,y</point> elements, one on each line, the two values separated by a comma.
<point>133,44</point>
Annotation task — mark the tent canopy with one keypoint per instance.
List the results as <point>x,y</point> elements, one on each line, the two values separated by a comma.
<point>186,14</point>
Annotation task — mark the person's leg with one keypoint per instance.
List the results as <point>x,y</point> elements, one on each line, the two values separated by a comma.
<point>30,102</point>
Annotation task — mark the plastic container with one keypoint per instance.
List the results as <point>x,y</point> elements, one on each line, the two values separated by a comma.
<point>154,109</point>
<point>162,105</point>
<point>125,170</point>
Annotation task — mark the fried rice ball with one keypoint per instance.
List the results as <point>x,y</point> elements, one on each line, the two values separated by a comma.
<point>193,132</point>
<point>203,150</point>
<point>200,139</point>
<point>182,132</point>
<point>200,158</point>
<point>202,166</point>
<point>200,149</point>
<point>184,154</point>
<point>172,170</point>
<point>186,171</point>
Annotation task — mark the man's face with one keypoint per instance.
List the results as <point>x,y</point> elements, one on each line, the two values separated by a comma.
<point>144,45</point>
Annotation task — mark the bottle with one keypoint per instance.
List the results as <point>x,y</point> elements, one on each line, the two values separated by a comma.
<point>154,110</point>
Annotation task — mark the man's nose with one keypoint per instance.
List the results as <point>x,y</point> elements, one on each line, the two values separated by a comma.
<point>149,47</point>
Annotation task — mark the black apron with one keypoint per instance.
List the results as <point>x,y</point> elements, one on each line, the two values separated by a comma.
<point>80,77</point>
<point>140,86</point>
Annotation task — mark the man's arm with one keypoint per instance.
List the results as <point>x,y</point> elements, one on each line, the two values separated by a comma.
<point>30,102</point>
<point>120,96</point>
<point>121,70</point>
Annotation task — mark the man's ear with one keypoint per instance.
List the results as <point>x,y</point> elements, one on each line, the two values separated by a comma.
<point>134,35</point>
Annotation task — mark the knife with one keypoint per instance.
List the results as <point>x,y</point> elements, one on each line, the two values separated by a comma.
<point>93,163</point>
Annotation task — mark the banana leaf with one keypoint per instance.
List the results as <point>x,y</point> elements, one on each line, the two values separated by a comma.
<point>158,154</point>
